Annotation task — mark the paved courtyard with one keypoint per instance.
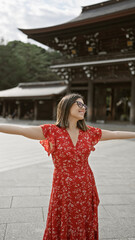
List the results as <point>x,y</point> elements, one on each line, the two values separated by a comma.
<point>25,184</point>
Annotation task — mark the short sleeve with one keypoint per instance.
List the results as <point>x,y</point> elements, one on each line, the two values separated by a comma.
<point>49,133</point>
<point>95,134</point>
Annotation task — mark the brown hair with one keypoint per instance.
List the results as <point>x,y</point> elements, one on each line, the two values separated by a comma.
<point>63,109</point>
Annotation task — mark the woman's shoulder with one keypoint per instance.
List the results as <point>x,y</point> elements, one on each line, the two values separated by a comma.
<point>90,127</point>
<point>94,129</point>
<point>52,127</point>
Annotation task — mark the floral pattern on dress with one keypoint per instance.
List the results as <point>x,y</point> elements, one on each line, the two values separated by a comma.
<point>74,200</point>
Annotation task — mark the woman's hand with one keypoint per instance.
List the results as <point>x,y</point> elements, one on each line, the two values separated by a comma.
<point>110,135</point>
<point>33,132</point>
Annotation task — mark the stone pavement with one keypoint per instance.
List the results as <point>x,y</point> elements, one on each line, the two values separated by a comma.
<point>26,178</point>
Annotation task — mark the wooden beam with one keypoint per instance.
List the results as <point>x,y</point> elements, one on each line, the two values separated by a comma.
<point>132,110</point>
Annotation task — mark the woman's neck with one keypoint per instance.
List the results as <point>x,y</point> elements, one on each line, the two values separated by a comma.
<point>72,124</point>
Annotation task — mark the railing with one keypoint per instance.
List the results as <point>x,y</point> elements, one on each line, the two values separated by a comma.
<point>101,56</point>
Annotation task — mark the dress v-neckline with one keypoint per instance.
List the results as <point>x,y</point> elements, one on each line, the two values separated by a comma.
<point>71,138</point>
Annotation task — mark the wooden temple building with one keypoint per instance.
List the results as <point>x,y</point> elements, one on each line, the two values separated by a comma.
<point>99,50</point>
<point>34,101</point>
<point>99,57</point>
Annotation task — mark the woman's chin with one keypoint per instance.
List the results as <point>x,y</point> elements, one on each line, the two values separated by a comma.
<point>81,118</point>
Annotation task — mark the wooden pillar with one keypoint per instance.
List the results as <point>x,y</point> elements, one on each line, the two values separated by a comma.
<point>9,108</point>
<point>54,109</point>
<point>113,104</point>
<point>132,109</point>
<point>35,110</point>
<point>4,109</point>
<point>19,110</point>
<point>69,88</point>
<point>90,100</point>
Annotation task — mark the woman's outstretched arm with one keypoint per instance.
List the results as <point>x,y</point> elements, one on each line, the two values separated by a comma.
<point>33,132</point>
<point>110,135</point>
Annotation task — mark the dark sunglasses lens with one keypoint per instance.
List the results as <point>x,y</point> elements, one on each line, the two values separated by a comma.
<point>85,108</point>
<point>81,105</point>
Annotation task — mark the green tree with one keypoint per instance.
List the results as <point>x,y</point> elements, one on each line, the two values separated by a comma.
<point>25,62</point>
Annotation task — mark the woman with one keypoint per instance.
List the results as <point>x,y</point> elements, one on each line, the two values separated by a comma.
<point>73,207</point>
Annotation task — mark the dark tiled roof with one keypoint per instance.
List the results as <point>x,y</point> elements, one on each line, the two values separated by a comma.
<point>104,8</point>
<point>90,14</point>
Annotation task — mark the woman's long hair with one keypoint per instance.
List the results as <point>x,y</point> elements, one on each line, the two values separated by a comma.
<point>63,110</point>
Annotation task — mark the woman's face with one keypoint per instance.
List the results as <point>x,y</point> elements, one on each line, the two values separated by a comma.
<point>76,111</point>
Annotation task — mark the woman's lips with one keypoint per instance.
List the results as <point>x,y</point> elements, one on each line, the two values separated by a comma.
<point>81,111</point>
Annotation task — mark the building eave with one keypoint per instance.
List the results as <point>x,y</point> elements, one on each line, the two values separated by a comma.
<point>81,21</point>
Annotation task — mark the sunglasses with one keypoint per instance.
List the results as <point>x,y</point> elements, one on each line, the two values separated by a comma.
<point>81,105</point>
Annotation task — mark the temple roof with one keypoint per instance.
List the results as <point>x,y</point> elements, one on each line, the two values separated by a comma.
<point>105,8</point>
<point>113,9</point>
<point>40,90</point>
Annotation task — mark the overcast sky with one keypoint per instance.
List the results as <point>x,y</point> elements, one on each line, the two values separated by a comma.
<point>36,13</point>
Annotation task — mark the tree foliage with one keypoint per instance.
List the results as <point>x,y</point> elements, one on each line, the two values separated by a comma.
<point>25,62</point>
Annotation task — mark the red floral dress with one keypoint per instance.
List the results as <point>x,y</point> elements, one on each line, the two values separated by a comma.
<point>73,207</point>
